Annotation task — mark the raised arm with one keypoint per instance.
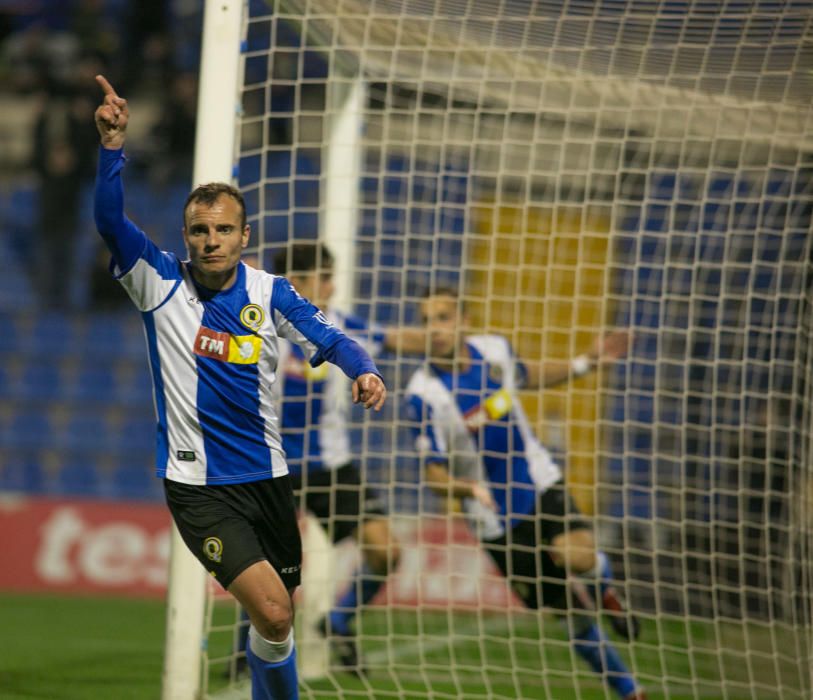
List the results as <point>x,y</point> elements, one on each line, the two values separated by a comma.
<point>606,350</point>
<point>112,116</point>
<point>125,241</point>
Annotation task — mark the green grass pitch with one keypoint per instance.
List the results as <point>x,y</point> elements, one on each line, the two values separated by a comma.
<point>70,648</point>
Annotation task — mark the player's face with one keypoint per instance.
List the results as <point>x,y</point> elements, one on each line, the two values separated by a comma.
<point>440,314</point>
<point>315,285</point>
<point>215,238</point>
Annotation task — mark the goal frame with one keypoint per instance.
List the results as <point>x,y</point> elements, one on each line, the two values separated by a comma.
<point>220,74</point>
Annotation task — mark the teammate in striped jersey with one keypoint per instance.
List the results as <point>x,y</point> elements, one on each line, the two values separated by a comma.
<point>316,438</point>
<point>214,327</point>
<point>476,444</point>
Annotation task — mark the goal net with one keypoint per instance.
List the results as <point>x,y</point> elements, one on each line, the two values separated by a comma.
<point>570,168</point>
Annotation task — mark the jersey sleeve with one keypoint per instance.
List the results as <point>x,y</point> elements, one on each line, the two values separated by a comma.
<point>372,338</point>
<point>497,349</point>
<point>148,275</point>
<point>304,324</point>
<point>429,442</point>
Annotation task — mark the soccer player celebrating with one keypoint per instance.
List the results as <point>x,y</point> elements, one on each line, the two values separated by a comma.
<point>214,327</point>
<point>477,445</point>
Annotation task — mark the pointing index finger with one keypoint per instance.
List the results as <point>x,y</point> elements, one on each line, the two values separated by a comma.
<point>106,86</point>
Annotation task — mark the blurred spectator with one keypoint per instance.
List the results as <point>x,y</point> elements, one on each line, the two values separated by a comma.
<point>17,15</point>
<point>148,44</point>
<point>106,294</point>
<point>98,27</point>
<point>37,58</point>
<point>173,135</point>
<point>63,158</point>
<point>186,26</point>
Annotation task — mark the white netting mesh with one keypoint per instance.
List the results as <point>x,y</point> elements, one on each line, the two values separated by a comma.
<point>570,167</point>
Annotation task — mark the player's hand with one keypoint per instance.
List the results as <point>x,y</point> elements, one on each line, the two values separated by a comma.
<point>369,389</point>
<point>611,346</point>
<point>482,494</point>
<point>111,116</point>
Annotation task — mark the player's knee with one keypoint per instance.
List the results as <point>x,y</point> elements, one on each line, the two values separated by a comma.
<point>381,551</point>
<point>382,560</point>
<point>581,560</point>
<point>274,620</point>
<point>574,551</point>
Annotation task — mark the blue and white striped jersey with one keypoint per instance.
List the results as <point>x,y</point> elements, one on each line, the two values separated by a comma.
<point>474,423</point>
<point>214,355</point>
<point>314,401</point>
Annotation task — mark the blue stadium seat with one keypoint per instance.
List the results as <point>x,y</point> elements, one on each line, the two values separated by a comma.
<point>39,380</point>
<point>135,386</point>
<point>94,382</point>
<point>28,428</point>
<point>103,334</point>
<point>78,477</point>
<point>137,433</point>
<point>86,433</point>
<point>9,333</point>
<point>113,335</point>
<point>53,334</point>
<point>22,472</point>
<point>135,479</point>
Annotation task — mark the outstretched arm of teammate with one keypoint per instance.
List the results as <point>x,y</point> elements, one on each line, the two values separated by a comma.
<point>606,350</point>
<point>444,484</point>
<point>407,339</point>
<point>111,116</point>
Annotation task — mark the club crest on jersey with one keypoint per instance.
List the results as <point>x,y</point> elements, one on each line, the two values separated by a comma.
<point>493,408</point>
<point>252,316</point>
<point>213,548</point>
<point>237,349</point>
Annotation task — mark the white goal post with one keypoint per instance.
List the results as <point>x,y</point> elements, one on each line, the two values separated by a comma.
<point>215,145</point>
<point>569,167</point>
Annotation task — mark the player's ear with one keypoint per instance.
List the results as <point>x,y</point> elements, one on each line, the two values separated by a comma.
<point>246,234</point>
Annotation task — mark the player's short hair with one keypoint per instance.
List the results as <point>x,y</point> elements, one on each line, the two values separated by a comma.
<point>207,195</point>
<point>302,257</point>
<point>441,290</point>
<point>446,290</point>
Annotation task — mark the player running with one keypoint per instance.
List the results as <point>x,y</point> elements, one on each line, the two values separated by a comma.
<point>214,327</point>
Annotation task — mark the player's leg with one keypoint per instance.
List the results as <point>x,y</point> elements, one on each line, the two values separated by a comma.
<point>247,537</point>
<point>573,547</point>
<point>379,556</point>
<point>270,651</point>
<point>352,503</point>
<point>593,646</point>
<point>571,550</point>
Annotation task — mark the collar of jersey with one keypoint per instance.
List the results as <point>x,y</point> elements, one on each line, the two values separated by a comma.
<point>474,358</point>
<point>206,294</point>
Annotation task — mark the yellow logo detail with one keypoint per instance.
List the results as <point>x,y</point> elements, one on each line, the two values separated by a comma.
<point>213,548</point>
<point>315,374</point>
<point>244,349</point>
<point>498,404</point>
<point>252,316</point>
